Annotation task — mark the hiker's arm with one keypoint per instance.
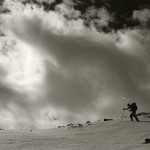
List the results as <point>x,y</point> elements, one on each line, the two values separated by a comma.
<point>125,108</point>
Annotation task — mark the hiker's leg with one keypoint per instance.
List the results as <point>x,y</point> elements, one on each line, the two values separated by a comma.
<point>135,116</point>
<point>131,117</point>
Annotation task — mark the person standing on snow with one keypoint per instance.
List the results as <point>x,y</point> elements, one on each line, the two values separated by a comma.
<point>133,108</point>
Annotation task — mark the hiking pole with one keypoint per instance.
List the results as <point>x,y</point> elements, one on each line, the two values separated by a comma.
<point>127,100</point>
<point>122,115</point>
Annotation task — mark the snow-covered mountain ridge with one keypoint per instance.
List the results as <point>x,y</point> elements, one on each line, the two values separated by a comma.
<point>100,135</point>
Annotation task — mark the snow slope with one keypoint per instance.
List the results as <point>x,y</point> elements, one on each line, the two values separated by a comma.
<point>110,135</point>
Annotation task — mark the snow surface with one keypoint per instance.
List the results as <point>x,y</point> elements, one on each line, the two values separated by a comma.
<point>109,135</point>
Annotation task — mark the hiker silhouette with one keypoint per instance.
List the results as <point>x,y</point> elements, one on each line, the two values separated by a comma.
<point>133,108</point>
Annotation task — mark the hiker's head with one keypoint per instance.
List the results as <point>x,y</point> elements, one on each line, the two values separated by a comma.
<point>128,105</point>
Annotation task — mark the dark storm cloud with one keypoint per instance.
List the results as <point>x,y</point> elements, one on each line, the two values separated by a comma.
<point>121,11</point>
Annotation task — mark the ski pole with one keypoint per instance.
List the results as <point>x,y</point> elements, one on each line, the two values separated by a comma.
<point>122,115</point>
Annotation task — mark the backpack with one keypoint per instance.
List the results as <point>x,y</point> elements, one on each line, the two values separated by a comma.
<point>134,106</point>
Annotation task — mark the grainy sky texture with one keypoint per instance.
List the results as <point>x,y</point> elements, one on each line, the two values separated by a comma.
<point>67,61</point>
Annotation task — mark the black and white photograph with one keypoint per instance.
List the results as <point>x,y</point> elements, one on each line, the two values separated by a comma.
<point>74,74</point>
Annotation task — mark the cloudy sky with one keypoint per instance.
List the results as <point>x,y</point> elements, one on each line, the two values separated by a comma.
<point>65,61</point>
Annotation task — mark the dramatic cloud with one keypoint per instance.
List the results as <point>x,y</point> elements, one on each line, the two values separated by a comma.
<point>115,13</point>
<point>143,16</point>
<point>98,18</point>
<point>55,69</point>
